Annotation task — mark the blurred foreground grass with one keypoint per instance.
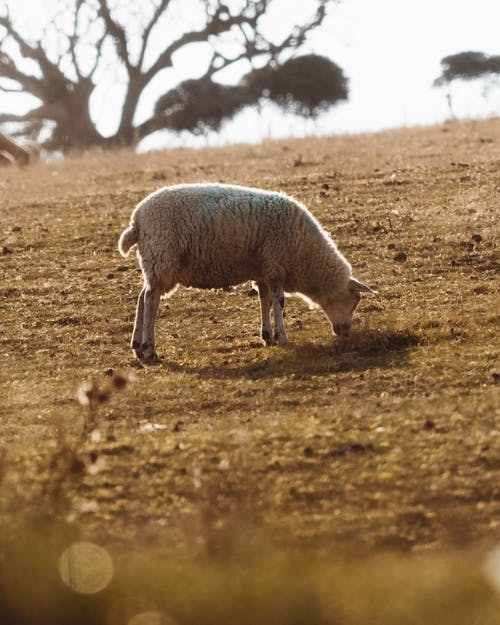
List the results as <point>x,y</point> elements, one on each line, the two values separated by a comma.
<point>46,577</point>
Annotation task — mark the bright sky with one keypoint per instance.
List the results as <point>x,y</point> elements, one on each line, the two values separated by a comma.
<point>389,49</point>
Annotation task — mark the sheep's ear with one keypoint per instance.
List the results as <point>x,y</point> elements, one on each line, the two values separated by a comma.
<point>360,287</point>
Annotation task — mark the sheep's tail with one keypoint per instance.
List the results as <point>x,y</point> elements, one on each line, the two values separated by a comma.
<point>128,238</point>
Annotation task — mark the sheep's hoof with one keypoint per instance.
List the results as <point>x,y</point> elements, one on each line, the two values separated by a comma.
<point>154,360</point>
<point>281,339</point>
<point>267,339</point>
<point>136,347</point>
<point>147,352</point>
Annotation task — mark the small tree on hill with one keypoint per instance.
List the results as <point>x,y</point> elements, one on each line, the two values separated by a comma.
<point>91,33</point>
<point>467,66</point>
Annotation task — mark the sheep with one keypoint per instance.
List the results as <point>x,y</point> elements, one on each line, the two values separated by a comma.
<point>217,236</point>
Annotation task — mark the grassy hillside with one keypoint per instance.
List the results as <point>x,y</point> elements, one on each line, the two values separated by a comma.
<point>386,442</point>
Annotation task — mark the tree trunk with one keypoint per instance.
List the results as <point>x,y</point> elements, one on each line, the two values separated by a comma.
<point>71,113</point>
<point>126,134</point>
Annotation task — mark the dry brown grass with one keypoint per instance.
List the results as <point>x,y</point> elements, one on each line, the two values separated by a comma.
<point>390,440</point>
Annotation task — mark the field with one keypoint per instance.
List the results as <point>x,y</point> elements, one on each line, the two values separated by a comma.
<point>371,463</point>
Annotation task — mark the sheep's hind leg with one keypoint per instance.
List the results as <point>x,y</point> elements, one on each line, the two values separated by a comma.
<point>278,302</point>
<point>138,325</point>
<point>151,302</point>
<point>266,330</point>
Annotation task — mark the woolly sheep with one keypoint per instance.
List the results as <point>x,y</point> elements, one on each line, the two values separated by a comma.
<point>216,236</point>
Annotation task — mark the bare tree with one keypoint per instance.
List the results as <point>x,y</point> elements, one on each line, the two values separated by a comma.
<point>63,81</point>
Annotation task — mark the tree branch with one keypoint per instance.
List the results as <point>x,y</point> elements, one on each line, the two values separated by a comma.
<point>51,71</point>
<point>160,9</point>
<point>219,22</point>
<point>117,32</point>
<point>214,66</point>
<point>98,54</point>
<point>25,117</point>
<point>158,121</point>
<point>11,89</point>
<point>299,33</point>
<point>9,70</point>
<point>254,46</point>
<point>73,39</point>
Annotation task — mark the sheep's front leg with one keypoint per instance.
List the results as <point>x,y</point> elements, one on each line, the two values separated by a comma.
<point>151,303</point>
<point>266,330</point>
<point>138,325</point>
<point>278,302</point>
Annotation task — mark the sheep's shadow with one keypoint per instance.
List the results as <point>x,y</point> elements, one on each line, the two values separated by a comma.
<point>362,351</point>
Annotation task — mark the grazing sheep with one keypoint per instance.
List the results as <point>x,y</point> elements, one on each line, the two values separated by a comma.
<point>215,235</point>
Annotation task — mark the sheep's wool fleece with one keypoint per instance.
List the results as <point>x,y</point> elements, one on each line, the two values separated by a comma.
<point>216,235</point>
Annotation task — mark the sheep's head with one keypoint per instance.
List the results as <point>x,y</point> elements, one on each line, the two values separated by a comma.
<point>340,306</point>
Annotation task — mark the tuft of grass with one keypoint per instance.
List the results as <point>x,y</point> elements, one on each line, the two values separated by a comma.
<point>379,341</point>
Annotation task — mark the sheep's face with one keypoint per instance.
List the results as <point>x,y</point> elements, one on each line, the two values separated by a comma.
<point>341,305</point>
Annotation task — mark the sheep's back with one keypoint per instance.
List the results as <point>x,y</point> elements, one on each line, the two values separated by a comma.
<point>215,235</point>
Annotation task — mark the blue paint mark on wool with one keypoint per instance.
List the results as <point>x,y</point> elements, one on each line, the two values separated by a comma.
<point>211,198</point>
<point>257,200</point>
